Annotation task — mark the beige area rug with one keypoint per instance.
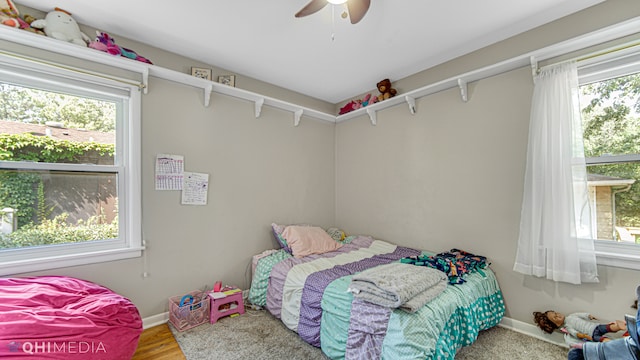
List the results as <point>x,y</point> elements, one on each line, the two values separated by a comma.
<point>257,335</point>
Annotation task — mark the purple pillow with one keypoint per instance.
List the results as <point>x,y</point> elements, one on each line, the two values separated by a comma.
<point>277,232</point>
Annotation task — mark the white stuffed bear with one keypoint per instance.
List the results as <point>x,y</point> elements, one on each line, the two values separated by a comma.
<point>59,24</point>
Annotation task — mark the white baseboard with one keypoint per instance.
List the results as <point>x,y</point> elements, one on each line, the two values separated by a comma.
<point>533,331</point>
<point>155,320</point>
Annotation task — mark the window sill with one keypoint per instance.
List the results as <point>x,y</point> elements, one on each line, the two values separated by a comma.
<point>618,254</point>
<point>54,262</point>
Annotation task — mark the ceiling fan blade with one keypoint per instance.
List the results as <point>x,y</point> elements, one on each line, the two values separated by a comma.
<point>357,9</point>
<point>312,7</point>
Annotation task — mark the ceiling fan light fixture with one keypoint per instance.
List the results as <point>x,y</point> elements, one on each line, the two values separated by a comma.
<point>355,8</point>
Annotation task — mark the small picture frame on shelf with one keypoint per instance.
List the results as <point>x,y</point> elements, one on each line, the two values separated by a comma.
<point>201,73</point>
<point>229,80</point>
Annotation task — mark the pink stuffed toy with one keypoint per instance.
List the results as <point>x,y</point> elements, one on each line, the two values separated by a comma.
<point>368,100</point>
<point>106,43</point>
<point>357,104</point>
<point>348,107</point>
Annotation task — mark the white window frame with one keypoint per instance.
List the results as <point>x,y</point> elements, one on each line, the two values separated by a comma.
<point>612,65</point>
<point>126,166</point>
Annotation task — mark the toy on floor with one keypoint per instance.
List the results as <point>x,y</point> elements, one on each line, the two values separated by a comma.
<point>582,326</point>
<point>59,24</point>
<point>626,348</point>
<point>106,43</point>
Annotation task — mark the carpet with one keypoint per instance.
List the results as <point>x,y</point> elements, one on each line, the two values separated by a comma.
<point>257,335</point>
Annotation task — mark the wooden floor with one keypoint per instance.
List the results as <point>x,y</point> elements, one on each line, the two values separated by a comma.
<point>158,343</point>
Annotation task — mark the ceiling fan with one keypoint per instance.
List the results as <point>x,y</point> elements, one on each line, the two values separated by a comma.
<point>356,8</point>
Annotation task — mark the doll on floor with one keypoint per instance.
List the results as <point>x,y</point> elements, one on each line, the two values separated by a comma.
<point>625,348</point>
<point>581,326</point>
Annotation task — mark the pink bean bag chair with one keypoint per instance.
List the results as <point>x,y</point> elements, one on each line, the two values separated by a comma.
<point>56,317</point>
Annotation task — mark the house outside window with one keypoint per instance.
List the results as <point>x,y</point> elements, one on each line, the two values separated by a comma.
<point>69,168</point>
<point>610,109</point>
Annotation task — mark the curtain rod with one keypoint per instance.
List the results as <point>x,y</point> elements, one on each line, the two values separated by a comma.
<point>594,55</point>
<point>608,51</point>
<point>139,85</point>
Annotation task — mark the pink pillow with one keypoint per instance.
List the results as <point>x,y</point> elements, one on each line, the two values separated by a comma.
<point>307,240</point>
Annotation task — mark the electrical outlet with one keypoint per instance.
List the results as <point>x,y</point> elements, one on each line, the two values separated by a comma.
<point>245,294</point>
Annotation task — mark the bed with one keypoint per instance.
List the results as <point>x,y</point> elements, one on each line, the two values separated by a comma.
<point>311,295</point>
<point>57,317</point>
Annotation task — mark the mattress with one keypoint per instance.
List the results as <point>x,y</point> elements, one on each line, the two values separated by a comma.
<point>310,296</point>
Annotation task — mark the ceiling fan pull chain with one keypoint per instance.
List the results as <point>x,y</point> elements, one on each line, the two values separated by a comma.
<point>333,22</point>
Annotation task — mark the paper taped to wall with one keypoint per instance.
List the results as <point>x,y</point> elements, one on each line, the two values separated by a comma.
<point>194,189</point>
<point>169,172</point>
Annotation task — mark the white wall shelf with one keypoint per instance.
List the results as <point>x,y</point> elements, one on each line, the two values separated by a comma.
<point>610,33</point>
<point>461,81</point>
<point>145,70</point>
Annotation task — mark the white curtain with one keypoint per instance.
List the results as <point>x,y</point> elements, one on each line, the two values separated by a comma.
<point>556,239</point>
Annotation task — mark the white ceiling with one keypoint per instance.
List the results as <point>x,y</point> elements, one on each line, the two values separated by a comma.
<point>262,39</point>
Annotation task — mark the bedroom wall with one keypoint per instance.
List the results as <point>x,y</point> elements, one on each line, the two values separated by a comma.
<point>262,170</point>
<point>452,174</point>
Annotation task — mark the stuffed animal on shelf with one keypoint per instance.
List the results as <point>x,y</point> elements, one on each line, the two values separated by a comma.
<point>10,16</point>
<point>29,19</point>
<point>369,100</point>
<point>357,104</point>
<point>106,43</point>
<point>386,91</point>
<point>59,24</point>
<point>348,107</point>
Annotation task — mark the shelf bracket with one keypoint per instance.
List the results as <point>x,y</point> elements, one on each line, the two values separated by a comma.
<point>411,101</point>
<point>463,89</point>
<point>534,66</point>
<point>296,117</point>
<point>145,81</point>
<point>207,94</point>
<point>373,116</point>
<point>258,105</point>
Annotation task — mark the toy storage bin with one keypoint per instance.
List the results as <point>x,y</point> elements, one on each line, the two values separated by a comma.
<point>225,304</point>
<point>190,314</point>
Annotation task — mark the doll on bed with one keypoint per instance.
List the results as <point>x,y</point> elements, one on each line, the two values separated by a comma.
<point>581,326</point>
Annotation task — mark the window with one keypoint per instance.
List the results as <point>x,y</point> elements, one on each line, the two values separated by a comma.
<point>69,168</point>
<point>610,106</point>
